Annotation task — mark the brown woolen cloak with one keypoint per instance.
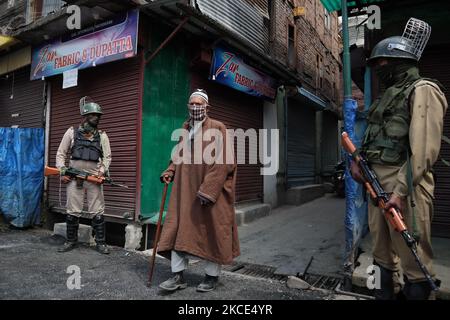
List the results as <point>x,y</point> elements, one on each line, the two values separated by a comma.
<point>207,232</point>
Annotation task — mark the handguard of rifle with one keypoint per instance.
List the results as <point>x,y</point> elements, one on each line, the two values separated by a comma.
<point>396,220</point>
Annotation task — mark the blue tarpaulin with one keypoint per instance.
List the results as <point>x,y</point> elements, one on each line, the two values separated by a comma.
<point>21,175</point>
<point>356,220</point>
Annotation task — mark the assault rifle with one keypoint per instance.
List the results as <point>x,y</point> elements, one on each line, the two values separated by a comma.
<point>381,197</point>
<point>82,175</point>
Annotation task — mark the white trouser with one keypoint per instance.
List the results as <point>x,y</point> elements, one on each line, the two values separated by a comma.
<point>180,262</point>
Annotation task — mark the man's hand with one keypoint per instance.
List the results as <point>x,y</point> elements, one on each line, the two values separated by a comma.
<point>166,178</point>
<point>204,201</point>
<point>65,179</point>
<point>396,202</point>
<point>356,173</point>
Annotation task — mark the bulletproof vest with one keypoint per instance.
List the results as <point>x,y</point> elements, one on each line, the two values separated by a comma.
<point>85,149</point>
<point>387,136</point>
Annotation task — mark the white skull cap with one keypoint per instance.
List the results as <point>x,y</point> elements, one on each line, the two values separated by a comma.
<point>200,93</point>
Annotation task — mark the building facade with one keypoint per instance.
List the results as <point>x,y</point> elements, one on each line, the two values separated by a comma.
<point>290,49</point>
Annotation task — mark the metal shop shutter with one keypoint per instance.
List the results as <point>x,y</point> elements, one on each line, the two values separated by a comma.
<point>329,143</point>
<point>435,64</point>
<point>237,111</point>
<point>26,109</point>
<point>116,87</point>
<point>301,144</point>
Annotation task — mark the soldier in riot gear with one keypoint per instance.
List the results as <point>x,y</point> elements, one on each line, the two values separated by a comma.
<point>402,143</point>
<point>89,150</point>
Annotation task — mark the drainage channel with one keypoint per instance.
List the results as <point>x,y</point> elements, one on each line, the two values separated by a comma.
<point>323,282</point>
<point>268,272</point>
<point>256,271</point>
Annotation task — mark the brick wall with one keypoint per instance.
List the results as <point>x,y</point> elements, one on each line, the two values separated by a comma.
<point>318,46</point>
<point>11,17</point>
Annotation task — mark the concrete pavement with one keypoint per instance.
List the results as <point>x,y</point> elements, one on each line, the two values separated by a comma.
<point>290,236</point>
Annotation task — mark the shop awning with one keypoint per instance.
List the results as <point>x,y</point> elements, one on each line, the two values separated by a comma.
<point>335,5</point>
<point>318,103</point>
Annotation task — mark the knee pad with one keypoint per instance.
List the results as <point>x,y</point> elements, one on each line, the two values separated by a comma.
<point>98,219</point>
<point>72,219</point>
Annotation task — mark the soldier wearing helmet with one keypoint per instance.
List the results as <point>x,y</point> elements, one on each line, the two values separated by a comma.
<point>402,142</point>
<point>88,149</point>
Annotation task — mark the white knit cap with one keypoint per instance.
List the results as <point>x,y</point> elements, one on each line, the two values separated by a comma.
<point>200,93</point>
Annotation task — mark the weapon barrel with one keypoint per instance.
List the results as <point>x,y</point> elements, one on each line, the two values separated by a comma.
<point>424,270</point>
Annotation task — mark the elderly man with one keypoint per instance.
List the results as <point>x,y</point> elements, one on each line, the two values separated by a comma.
<point>200,223</point>
<point>89,150</point>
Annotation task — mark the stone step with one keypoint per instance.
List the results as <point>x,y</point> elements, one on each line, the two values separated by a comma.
<point>84,233</point>
<point>300,195</point>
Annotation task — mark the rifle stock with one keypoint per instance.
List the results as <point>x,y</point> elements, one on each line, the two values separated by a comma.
<point>51,171</point>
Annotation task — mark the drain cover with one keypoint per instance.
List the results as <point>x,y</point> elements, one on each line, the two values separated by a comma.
<point>268,272</point>
<point>255,270</point>
<point>322,281</point>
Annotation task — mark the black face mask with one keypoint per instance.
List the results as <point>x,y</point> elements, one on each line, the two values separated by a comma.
<point>386,73</point>
<point>89,126</point>
<point>91,123</point>
<point>393,72</point>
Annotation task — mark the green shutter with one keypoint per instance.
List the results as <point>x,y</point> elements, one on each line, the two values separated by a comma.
<point>166,91</point>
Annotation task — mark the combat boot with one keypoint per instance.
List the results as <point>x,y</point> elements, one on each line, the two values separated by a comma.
<point>99,226</point>
<point>72,223</point>
<point>416,291</point>
<point>386,292</point>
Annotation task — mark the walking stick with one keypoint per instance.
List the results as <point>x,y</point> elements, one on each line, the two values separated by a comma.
<point>158,234</point>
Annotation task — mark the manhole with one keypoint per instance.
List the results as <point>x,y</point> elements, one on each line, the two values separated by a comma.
<point>255,270</point>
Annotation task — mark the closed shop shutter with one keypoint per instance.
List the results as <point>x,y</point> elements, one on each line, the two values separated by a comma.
<point>301,144</point>
<point>237,111</point>
<point>26,108</point>
<point>116,87</point>
<point>329,143</point>
<point>435,64</point>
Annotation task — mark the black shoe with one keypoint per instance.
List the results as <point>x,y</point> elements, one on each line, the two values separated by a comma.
<point>102,248</point>
<point>175,283</point>
<point>416,291</point>
<point>68,246</point>
<point>209,284</point>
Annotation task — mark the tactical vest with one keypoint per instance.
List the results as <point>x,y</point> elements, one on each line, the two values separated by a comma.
<point>387,137</point>
<point>85,149</point>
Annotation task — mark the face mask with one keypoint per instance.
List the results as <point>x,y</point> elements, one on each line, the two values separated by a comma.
<point>385,73</point>
<point>88,128</point>
<point>197,112</point>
